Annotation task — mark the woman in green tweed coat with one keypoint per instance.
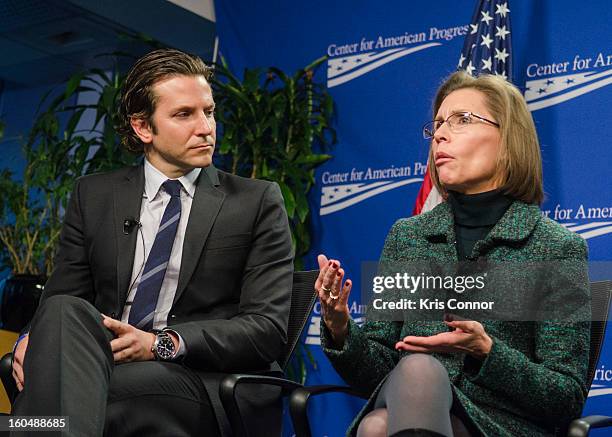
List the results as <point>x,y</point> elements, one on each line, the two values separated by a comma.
<point>462,377</point>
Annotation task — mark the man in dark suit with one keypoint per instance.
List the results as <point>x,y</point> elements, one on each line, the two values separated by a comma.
<point>168,276</point>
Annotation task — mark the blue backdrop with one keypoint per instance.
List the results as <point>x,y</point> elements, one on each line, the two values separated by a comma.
<point>385,62</point>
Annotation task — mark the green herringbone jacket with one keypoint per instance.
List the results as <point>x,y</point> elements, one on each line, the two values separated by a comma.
<point>533,382</point>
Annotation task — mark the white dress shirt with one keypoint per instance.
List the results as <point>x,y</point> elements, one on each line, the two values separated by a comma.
<point>154,202</point>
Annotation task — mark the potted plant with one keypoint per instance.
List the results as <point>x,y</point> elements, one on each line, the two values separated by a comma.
<point>57,150</point>
<point>271,125</point>
<point>29,230</point>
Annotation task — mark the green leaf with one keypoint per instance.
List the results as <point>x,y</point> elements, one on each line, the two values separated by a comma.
<point>74,120</point>
<point>102,75</point>
<point>251,79</point>
<point>265,172</point>
<point>313,159</point>
<point>289,198</point>
<point>302,206</point>
<point>108,96</point>
<point>281,74</point>
<point>312,66</point>
<point>72,84</point>
<point>225,146</point>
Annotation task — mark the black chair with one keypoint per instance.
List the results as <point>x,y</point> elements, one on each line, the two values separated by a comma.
<point>6,375</point>
<point>303,297</point>
<point>600,303</point>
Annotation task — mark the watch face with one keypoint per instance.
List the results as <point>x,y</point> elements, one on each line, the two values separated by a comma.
<point>165,347</point>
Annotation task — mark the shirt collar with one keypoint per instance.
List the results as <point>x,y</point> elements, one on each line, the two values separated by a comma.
<point>155,178</point>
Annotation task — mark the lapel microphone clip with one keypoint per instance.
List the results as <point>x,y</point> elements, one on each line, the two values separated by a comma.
<point>129,223</point>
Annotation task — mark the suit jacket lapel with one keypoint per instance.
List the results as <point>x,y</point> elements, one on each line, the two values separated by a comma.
<point>517,224</point>
<point>205,207</point>
<point>441,231</point>
<point>127,195</point>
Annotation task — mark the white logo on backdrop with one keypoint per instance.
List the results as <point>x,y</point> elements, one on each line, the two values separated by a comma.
<point>585,220</point>
<point>351,60</point>
<point>346,188</point>
<point>561,81</point>
<point>602,375</point>
<point>337,197</point>
<point>590,230</point>
<point>341,70</point>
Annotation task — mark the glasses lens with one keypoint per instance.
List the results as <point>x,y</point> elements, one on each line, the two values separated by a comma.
<point>459,120</point>
<point>428,130</point>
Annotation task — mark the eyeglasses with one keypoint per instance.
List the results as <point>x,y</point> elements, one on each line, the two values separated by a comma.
<point>456,122</point>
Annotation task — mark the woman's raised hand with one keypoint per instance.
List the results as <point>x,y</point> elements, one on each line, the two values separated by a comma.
<point>333,293</point>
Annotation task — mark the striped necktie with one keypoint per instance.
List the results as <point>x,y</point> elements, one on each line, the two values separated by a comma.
<point>147,292</point>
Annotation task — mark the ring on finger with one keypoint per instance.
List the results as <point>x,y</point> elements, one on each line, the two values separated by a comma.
<point>333,296</point>
<point>326,289</point>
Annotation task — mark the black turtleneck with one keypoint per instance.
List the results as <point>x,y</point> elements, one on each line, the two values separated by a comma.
<point>475,215</point>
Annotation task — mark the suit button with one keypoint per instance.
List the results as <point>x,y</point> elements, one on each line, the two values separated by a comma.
<point>172,316</point>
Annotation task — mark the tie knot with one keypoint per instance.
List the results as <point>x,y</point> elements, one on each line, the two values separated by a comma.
<point>172,187</point>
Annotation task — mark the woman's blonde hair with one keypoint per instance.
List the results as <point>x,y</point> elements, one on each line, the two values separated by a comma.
<point>519,164</point>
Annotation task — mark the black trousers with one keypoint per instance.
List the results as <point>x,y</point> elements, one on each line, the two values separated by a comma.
<point>69,371</point>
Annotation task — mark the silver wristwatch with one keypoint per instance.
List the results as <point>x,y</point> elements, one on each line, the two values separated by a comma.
<point>163,347</point>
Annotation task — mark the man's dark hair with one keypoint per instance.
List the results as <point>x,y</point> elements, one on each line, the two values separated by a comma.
<point>137,97</point>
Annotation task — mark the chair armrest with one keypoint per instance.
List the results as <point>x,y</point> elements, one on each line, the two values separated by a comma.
<point>298,403</point>
<point>227,393</point>
<point>580,427</point>
<point>6,375</point>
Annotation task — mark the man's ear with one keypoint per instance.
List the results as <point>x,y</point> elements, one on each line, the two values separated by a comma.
<point>143,129</point>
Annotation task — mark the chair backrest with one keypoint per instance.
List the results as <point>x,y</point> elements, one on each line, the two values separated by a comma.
<point>6,375</point>
<point>600,305</point>
<point>303,297</point>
